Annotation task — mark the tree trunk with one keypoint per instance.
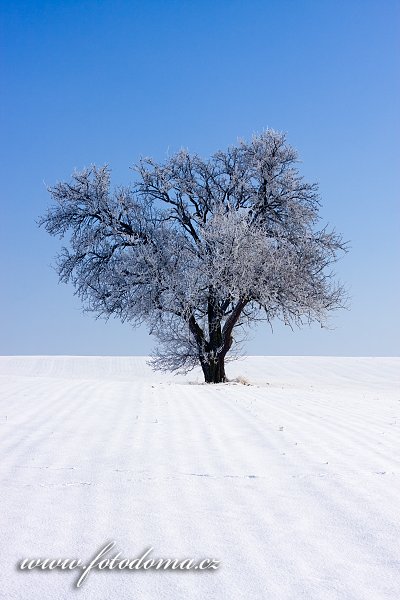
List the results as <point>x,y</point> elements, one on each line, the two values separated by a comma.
<point>214,370</point>
<point>212,352</point>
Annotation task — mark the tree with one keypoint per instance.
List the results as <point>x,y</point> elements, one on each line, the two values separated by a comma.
<point>199,249</point>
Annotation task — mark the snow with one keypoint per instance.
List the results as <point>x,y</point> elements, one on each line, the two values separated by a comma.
<point>292,482</point>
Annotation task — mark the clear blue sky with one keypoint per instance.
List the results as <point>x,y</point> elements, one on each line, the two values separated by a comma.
<point>106,82</point>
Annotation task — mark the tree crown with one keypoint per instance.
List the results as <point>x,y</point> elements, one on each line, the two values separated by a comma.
<point>197,249</point>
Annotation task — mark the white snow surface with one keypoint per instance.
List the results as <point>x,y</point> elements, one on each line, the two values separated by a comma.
<point>292,482</point>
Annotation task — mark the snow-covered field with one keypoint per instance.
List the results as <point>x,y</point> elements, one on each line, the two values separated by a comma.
<point>293,482</point>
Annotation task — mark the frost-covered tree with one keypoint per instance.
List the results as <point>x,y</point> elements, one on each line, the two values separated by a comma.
<point>199,249</point>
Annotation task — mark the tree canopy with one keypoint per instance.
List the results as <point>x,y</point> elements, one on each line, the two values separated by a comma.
<point>199,249</point>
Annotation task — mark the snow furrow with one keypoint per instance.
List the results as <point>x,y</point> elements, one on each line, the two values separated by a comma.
<point>295,489</point>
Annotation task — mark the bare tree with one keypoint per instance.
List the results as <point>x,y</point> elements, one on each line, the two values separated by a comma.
<point>199,249</point>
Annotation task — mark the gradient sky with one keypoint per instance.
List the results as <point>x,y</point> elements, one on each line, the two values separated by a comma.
<point>107,82</point>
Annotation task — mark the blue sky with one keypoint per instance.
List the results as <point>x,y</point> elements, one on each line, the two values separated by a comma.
<point>107,82</point>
